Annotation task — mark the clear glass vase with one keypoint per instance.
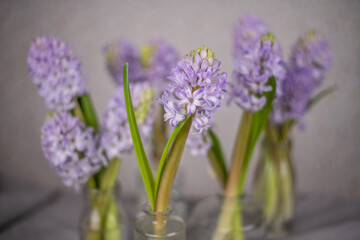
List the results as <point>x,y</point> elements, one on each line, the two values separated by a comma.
<point>159,225</point>
<point>103,217</point>
<point>274,187</point>
<point>177,195</point>
<point>224,218</point>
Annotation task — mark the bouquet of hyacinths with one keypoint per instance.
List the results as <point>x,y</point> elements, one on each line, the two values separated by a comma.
<point>80,150</point>
<point>190,101</point>
<point>309,62</point>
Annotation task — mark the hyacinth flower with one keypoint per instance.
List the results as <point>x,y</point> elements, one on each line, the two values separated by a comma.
<point>70,148</point>
<point>246,89</point>
<point>157,57</point>
<point>247,30</point>
<point>253,89</point>
<point>70,136</point>
<point>116,55</point>
<point>190,100</point>
<point>59,78</point>
<point>115,137</point>
<point>309,61</point>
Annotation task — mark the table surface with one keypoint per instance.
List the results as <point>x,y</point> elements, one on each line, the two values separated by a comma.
<point>38,214</point>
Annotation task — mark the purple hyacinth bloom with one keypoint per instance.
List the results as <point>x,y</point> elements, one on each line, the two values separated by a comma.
<point>56,72</point>
<point>117,54</point>
<point>199,144</point>
<point>247,30</point>
<point>157,57</point>
<point>261,60</point>
<point>70,148</point>
<point>312,51</point>
<point>297,88</point>
<point>115,133</point>
<point>197,88</point>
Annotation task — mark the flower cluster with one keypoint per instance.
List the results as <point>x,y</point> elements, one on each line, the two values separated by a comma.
<point>70,148</point>
<point>261,61</point>
<point>117,54</point>
<point>115,134</point>
<point>310,60</point>
<point>312,51</point>
<point>247,30</point>
<point>56,72</point>
<point>157,57</point>
<point>297,88</point>
<point>197,88</point>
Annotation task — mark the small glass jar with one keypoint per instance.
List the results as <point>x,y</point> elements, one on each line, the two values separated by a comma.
<point>159,225</point>
<point>226,218</point>
<point>274,185</point>
<point>177,195</point>
<point>103,216</point>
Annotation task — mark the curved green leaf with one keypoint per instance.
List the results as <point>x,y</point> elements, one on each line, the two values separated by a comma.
<point>144,165</point>
<point>173,157</point>
<point>217,158</point>
<point>109,174</point>
<point>165,153</point>
<point>320,96</point>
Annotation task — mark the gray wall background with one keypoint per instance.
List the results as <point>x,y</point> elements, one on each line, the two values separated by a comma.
<point>326,154</point>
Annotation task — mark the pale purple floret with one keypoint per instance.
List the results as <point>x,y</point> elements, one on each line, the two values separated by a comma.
<point>297,88</point>
<point>158,56</point>
<point>117,54</point>
<point>248,29</point>
<point>312,51</point>
<point>56,72</point>
<point>115,133</point>
<point>261,60</point>
<point>70,148</point>
<point>199,144</point>
<point>197,88</point>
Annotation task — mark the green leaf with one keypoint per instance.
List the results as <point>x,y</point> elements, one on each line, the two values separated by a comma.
<point>88,111</point>
<point>171,165</point>
<point>144,165</point>
<point>217,158</point>
<point>320,96</point>
<point>258,123</point>
<point>163,159</point>
<point>108,175</point>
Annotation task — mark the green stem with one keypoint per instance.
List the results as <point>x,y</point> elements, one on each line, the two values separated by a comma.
<point>159,136</point>
<point>238,156</point>
<point>229,225</point>
<point>88,111</point>
<point>217,160</point>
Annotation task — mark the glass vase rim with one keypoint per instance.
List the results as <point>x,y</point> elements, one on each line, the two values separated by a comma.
<point>146,208</point>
